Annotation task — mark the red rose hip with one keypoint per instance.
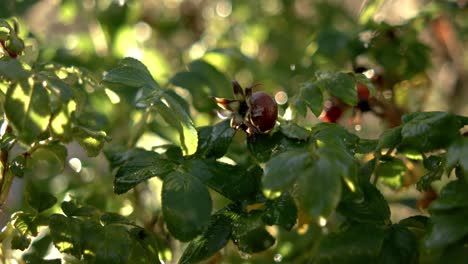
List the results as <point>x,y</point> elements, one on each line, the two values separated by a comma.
<point>263,111</point>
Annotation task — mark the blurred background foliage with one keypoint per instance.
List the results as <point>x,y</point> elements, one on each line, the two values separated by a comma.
<point>417,47</point>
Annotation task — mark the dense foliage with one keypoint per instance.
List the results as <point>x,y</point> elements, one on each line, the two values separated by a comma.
<point>134,166</point>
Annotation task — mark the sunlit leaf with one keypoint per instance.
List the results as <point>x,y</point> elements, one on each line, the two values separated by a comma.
<point>27,108</point>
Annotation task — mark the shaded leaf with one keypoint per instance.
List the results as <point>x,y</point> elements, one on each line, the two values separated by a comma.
<point>311,94</point>
<point>356,244</point>
<point>114,218</point>
<point>184,218</point>
<point>66,234</point>
<point>20,241</point>
<point>198,87</point>
<point>341,85</point>
<point>214,140</point>
<point>213,239</point>
<point>40,201</point>
<point>12,69</point>
<point>282,170</point>
<point>215,79</point>
<point>233,182</point>
<point>141,166</point>
<point>72,208</point>
<point>249,233</point>
<point>399,246</point>
<point>435,165</point>
<point>426,131</point>
<point>294,131</point>
<point>373,208</point>
<point>457,154</point>
<point>390,138</point>
<point>263,147</point>
<point>281,211</point>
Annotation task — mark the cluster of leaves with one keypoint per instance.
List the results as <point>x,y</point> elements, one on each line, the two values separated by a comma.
<point>82,232</point>
<point>315,171</point>
<point>321,179</point>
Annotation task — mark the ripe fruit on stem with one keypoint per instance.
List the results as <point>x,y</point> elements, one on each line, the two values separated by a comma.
<point>255,113</point>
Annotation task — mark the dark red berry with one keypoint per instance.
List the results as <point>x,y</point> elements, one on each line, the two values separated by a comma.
<point>263,111</point>
<point>362,92</point>
<point>332,114</point>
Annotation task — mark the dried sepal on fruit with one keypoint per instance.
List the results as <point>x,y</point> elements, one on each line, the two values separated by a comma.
<point>254,112</point>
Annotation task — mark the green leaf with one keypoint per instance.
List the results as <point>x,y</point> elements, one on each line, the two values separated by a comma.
<point>46,160</point>
<point>57,86</point>
<point>66,234</point>
<point>361,78</point>
<point>215,79</point>
<point>198,88</point>
<point>40,201</point>
<point>334,134</point>
<point>449,214</point>
<point>417,224</point>
<point>390,138</point>
<point>373,208</point>
<point>281,211</point>
<point>319,189</point>
<point>175,115</point>
<point>115,245</point>
<point>142,166</point>
<point>214,238</point>
<point>186,205</point>
<point>262,147</point>
<point>18,165</point>
<point>249,233</point>
<point>366,170</point>
<point>341,85</point>
<point>25,223</point>
<point>312,96</point>
<point>435,165</point>
<point>294,131</point>
<point>12,69</point>
<point>117,155</point>
<point>114,218</point>
<point>453,196</point>
<point>131,73</point>
<point>390,171</point>
<point>91,141</point>
<point>426,131</point>
<point>282,170</point>
<point>457,154</point>
<point>20,242</point>
<point>149,242</point>
<point>447,228</point>
<point>356,244</point>
<point>27,108</point>
<point>366,146</point>
<point>399,246</point>
<point>233,182</point>
<point>214,141</point>
<point>72,208</point>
